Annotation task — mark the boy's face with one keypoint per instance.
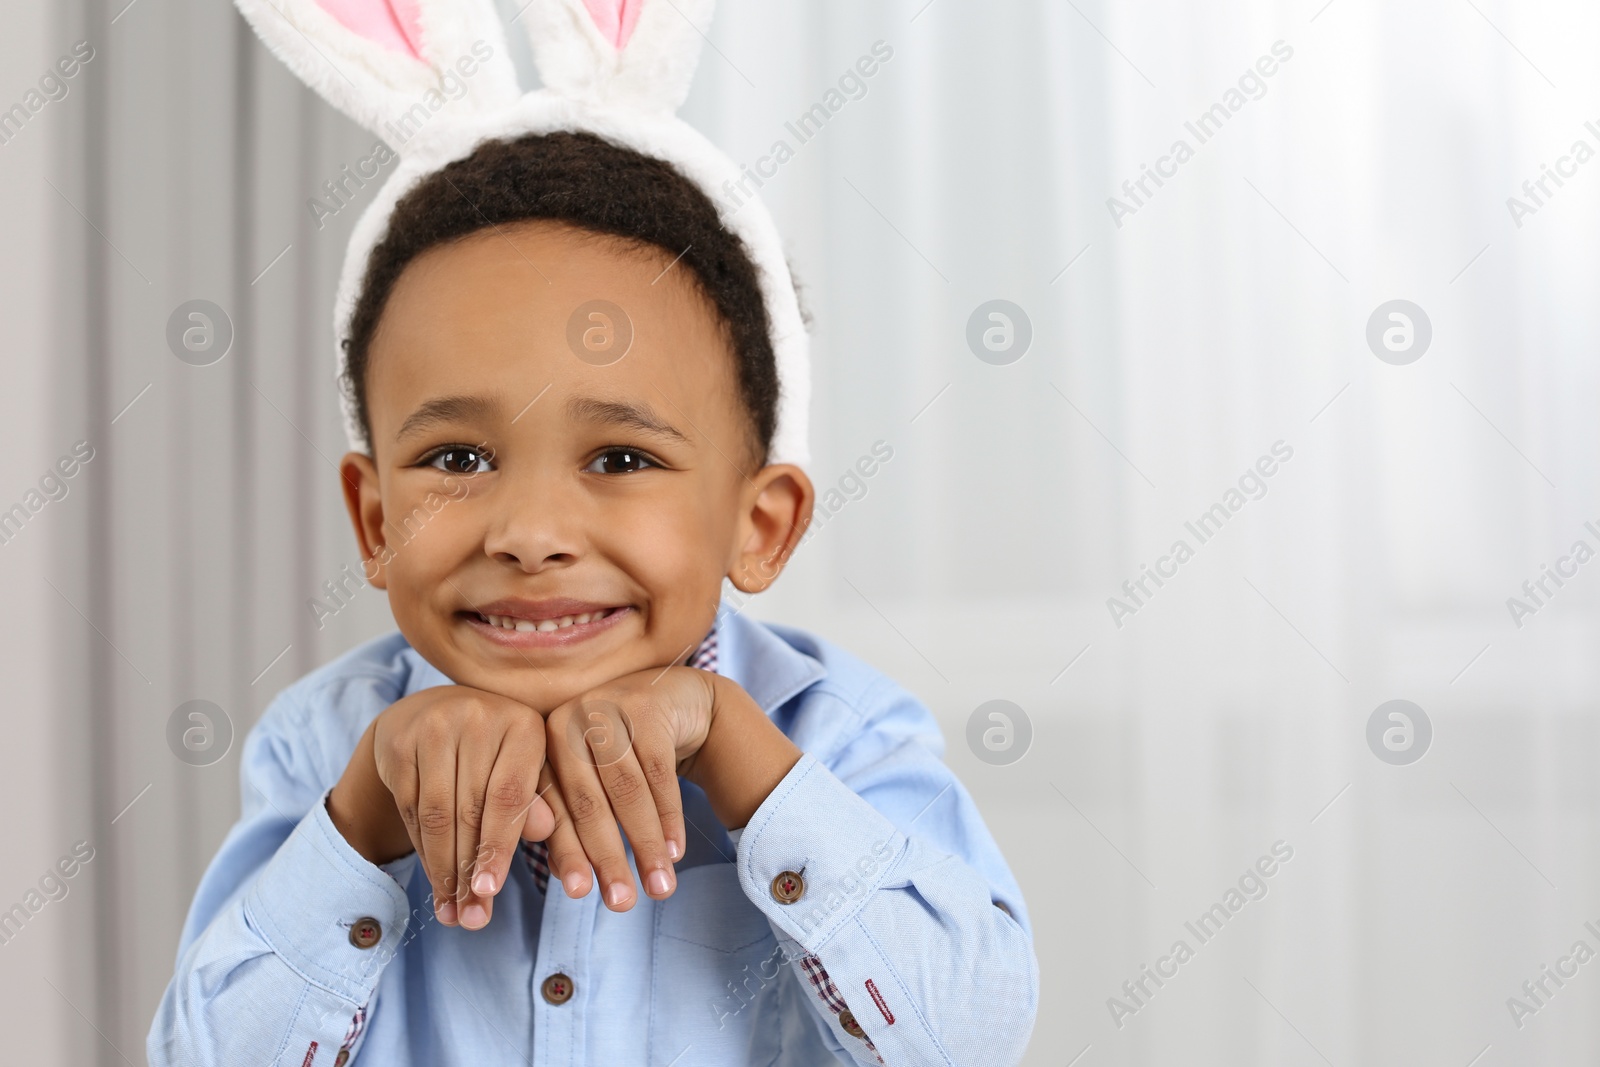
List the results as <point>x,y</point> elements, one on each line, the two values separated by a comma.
<point>593,508</point>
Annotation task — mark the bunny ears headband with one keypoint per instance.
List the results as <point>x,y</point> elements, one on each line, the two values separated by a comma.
<point>435,75</point>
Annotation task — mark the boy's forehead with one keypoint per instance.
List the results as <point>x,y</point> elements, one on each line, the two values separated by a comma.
<point>540,313</point>
<point>613,410</point>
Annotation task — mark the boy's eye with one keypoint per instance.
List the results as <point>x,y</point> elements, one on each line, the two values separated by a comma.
<point>460,461</point>
<point>619,461</point>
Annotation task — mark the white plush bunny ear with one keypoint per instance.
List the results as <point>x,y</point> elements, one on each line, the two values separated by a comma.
<point>634,53</point>
<point>380,61</point>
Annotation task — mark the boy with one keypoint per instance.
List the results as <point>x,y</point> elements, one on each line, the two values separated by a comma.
<point>817,886</point>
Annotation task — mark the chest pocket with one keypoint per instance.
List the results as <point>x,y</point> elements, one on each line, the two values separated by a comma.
<point>719,973</point>
<point>710,911</point>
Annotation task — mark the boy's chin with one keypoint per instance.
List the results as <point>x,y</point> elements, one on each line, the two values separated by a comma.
<point>542,688</point>
<point>526,686</point>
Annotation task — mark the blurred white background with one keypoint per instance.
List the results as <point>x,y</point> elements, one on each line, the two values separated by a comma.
<point>1228,313</point>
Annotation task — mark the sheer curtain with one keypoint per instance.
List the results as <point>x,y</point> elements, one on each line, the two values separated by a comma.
<point>1184,339</point>
<point>1365,154</point>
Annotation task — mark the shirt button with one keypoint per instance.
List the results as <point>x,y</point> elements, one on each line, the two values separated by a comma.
<point>557,989</point>
<point>788,887</point>
<point>850,1025</point>
<point>365,932</point>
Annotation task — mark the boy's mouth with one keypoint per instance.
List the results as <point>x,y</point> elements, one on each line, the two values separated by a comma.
<point>543,623</point>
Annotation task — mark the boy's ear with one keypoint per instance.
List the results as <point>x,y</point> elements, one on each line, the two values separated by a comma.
<point>359,477</point>
<point>775,511</point>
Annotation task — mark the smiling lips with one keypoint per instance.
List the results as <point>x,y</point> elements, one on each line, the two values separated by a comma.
<point>543,623</point>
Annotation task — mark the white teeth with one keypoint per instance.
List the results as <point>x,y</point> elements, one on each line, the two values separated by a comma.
<point>544,626</point>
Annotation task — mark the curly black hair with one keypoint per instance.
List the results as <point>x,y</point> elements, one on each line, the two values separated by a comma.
<point>584,181</point>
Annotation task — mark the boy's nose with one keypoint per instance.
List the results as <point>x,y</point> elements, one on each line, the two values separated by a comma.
<point>537,527</point>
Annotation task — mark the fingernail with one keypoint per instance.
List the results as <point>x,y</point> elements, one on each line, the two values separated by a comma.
<point>673,850</point>
<point>447,913</point>
<point>660,885</point>
<point>483,884</point>
<point>473,917</point>
<point>573,883</point>
<point>617,895</point>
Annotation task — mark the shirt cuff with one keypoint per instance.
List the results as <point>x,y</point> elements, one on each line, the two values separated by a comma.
<point>814,853</point>
<point>331,915</point>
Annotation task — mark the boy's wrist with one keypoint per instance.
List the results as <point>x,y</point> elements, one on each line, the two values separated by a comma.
<point>362,808</point>
<point>744,756</point>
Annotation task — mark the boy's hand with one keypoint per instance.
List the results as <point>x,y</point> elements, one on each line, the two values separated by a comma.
<point>459,767</point>
<point>614,753</point>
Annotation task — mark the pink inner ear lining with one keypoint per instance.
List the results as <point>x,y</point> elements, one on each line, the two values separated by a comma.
<point>395,24</point>
<point>615,19</point>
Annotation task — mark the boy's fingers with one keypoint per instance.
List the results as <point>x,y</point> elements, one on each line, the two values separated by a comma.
<point>507,798</point>
<point>399,775</point>
<point>634,806</point>
<point>476,755</point>
<point>567,859</point>
<point>540,820</point>
<point>589,809</point>
<point>657,759</point>
<point>436,821</point>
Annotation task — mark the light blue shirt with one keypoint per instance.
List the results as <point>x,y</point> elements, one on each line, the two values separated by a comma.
<point>909,943</point>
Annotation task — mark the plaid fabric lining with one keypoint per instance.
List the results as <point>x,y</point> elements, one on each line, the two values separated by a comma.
<point>823,984</point>
<point>357,1024</point>
<point>537,853</point>
<point>705,657</point>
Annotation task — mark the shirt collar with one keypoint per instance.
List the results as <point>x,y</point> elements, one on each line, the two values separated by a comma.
<point>765,665</point>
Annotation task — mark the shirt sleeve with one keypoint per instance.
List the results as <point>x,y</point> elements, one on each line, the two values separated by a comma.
<point>291,928</point>
<point>902,919</point>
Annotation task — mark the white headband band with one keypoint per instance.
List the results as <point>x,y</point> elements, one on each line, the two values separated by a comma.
<point>435,75</point>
